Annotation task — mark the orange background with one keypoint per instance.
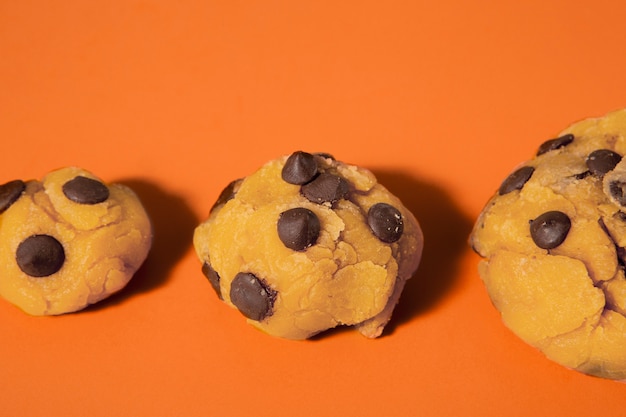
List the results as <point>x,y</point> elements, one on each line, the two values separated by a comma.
<point>441,99</point>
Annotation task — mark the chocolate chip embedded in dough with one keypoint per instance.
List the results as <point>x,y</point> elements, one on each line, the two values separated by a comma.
<point>10,192</point>
<point>253,297</point>
<point>550,229</point>
<point>555,143</point>
<point>618,191</point>
<point>386,222</point>
<point>40,256</point>
<point>602,161</point>
<point>298,228</point>
<point>326,188</point>
<point>582,175</point>
<point>83,190</point>
<point>228,193</point>
<point>300,168</point>
<point>516,180</point>
<point>213,277</point>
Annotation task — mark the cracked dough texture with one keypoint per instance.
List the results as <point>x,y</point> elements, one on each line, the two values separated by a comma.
<point>348,277</point>
<point>104,244</point>
<point>568,301</point>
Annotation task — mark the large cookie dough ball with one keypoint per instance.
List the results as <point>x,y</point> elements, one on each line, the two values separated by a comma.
<point>553,238</point>
<point>68,241</point>
<point>308,243</point>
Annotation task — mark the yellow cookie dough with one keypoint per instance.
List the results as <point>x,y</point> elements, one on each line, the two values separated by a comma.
<point>68,241</point>
<point>553,239</point>
<point>308,243</point>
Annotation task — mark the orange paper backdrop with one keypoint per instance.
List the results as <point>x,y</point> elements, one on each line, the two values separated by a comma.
<point>441,99</point>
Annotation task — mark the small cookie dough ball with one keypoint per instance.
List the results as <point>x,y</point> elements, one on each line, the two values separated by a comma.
<point>308,243</point>
<point>553,238</point>
<point>68,241</point>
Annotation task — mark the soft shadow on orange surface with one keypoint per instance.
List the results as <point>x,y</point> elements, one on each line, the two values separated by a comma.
<point>173,223</point>
<point>446,230</point>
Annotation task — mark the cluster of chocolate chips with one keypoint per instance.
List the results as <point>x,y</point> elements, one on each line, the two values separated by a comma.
<point>550,229</point>
<point>42,255</point>
<point>299,228</point>
<point>317,185</point>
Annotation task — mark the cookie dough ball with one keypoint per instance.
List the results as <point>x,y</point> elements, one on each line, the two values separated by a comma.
<point>554,237</point>
<point>68,241</point>
<point>308,243</point>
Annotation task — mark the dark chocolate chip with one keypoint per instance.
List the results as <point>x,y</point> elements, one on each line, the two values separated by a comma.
<point>620,251</point>
<point>10,192</point>
<point>227,193</point>
<point>300,168</point>
<point>621,255</point>
<point>213,277</point>
<point>298,228</point>
<point>550,229</point>
<point>40,255</point>
<point>602,225</point>
<point>618,191</point>
<point>386,222</point>
<point>253,297</point>
<point>582,175</point>
<point>555,143</point>
<point>326,188</point>
<point>602,161</point>
<point>83,190</point>
<point>516,180</point>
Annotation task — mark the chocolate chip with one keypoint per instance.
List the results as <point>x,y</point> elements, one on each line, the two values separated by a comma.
<point>621,256</point>
<point>602,161</point>
<point>555,143</point>
<point>299,168</point>
<point>582,175</point>
<point>227,193</point>
<point>10,192</point>
<point>298,228</point>
<point>213,277</point>
<point>516,180</point>
<point>40,255</point>
<point>386,222</point>
<point>83,190</point>
<point>550,229</point>
<point>326,188</point>
<point>621,252</point>
<point>253,297</point>
<point>618,191</point>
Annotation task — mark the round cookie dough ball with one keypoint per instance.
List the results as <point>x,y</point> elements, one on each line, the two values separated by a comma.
<point>68,241</point>
<point>553,238</point>
<point>308,243</point>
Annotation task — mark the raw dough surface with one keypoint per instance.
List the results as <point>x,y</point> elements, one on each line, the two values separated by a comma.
<point>553,240</point>
<point>292,248</point>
